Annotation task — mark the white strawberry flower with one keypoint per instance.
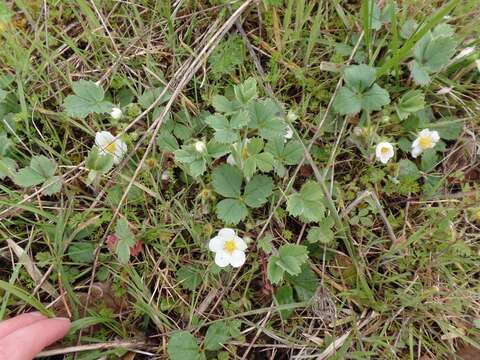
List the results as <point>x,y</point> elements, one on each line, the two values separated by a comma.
<point>229,248</point>
<point>425,140</point>
<point>288,133</point>
<point>109,144</point>
<point>384,152</point>
<point>116,113</point>
<point>200,146</point>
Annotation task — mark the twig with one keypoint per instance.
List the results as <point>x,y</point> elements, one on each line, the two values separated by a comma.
<point>100,346</point>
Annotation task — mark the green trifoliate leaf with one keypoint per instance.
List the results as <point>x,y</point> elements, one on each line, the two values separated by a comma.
<point>258,190</point>
<point>429,160</point>
<point>246,91</point>
<point>305,283</point>
<point>284,296</point>
<point>240,119</point>
<point>223,105</point>
<point>307,204</point>
<point>224,133</point>
<point>275,272</point>
<point>126,239</point>
<point>267,117</point>
<point>197,167</point>
<point>420,74</point>
<point>189,277</point>
<point>44,166</point>
<point>231,211</point>
<point>217,334</point>
<point>149,96</point>
<point>290,259</point>
<point>265,243</point>
<point>216,150</point>
<point>347,102</point>
<point>167,142</point>
<point>375,98</point>
<point>408,169</point>
<point>28,177</point>
<point>359,77</point>
<point>183,346</point>
<point>409,103</point>
<point>227,180</point>
<point>88,98</point>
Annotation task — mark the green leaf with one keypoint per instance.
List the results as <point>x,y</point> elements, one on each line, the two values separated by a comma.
<point>409,103</point>
<point>359,77</point>
<point>223,131</point>
<point>197,167</point>
<point>408,169</point>
<point>240,119</point>
<point>265,243</point>
<point>44,166</point>
<point>307,203</point>
<point>126,239</point>
<point>7,168</point>
<point>347,102</point>
<point>439,52</point>
<point>420,74</point>
<point>275,272</point>
<point>187,154</point>
<point>189,277</point>
<point>167,142</point>
<point>227,180</point>
<point>150,95</point>
<point>322,234</point>
<point>293,152</point>
<point>223,105</point>
<point>305,283</point>
<point>216,150</point>
<point>292,257</point>
<point>81,252</point>
<point>183,346</point>
<point>450,130</point>
<point>267,117</point>
<point>100,163</point>
<point>231,211</point>
<point>5,143</point>
<point>53,185</point>
<point>375,98</point>
<point>88,98</point>
<point>258,190</point>
<point>5,13</point>
<point>246,91</point>
<point>408,28</point>
<point>429,160</point>
<point>284,296</point>
<point>28,177</point>
<point>217,334</point>
<point>227,56</point>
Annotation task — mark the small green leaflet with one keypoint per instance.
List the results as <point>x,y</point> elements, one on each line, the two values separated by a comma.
<point>149,96</point>
<point>257,159</point>
<point>246,91</point>
<point>227,180</point>
<point>224,132</point>
<point>219,333</point>
<point>284,296</point>
<point>88,98</point>
<point>189,277</point>
<point>40,171</point>
<point>289,153</point>
<point>290,258</point>
<point>360,92</point>
<point>8,166</point>
<point>410,103</point>
<point>257,190</point>
<point>267,117</point>
<point>183,346</point>
<point>126,240</point>
<point>321,233</point>
<point>307,204</point>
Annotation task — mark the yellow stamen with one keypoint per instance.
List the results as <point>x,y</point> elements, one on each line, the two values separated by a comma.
<point>110,148</point>
<point>425,142</point>
<point>229,246</point>
<point>384,150</point>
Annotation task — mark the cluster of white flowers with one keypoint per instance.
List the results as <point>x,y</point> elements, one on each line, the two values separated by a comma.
<point>425,140</point>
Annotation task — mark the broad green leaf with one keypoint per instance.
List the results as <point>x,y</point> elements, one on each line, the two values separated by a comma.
<point>217,334</point>
<point>183,346</point>
<point>126,239</point>
<point>265,243</point>
<point>375,98</point>
<point>44,166</point>
<point>359,77</point>
<point>167,142</point>
<point>307,203</point>
<point>449,130</point>
<point>254,146</point>
<point>408,169</point>
<point>216,150</point>
<point>227,180</point>
<point>7,167</point>
<point>246,91</point>
<point>267,117</point>
<point>409,103</point>
<point>240,119</point>
<point>429,160</point>
<point>28,177</point>
<point>292,257</point>
<point>284,296</point>
<point>223,105</point>
<point>98,162</point>
<point>408,28</point>
<point>258,190</point>
<point>187,154</point>
<point>189,277</point>
<point>88,98</point>
<point>231,211</point>
<point>81,252</point>
<point>149,96</point>
<point>347,102</point>
<point>264,161</point>
<point>420,74</point>
<point>438,53</point>
<point>53,185</point>
<point>305,283</point>
<point>293,152</point>
<point>223,131</point>
<point>197,167</point>
<point>275,272</point>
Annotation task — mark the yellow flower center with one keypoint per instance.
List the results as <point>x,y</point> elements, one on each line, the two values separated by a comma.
<point>384,150</point>
<point>229,246</point>
<point>425,142</point>
<point>477,215</point>
<point>110,148</point>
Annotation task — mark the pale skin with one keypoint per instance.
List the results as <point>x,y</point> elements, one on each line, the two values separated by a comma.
<point>24,336</point>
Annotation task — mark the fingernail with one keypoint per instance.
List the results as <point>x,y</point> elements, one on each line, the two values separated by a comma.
<point>61,319</point>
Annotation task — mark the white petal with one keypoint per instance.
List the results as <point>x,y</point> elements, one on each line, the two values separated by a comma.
<point>240,243</point>
<point>288,133</point>
<point>216,244</point>
<point>222,259</point>
<point>416,151</point>
<point>120,150</point>
<point>226,233</point>
<point>416,143</point>
<point>103,139</point>
<point>231,160</point>
<point>237,259</point>
<point>424,132</point>
<point>435,136</point>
